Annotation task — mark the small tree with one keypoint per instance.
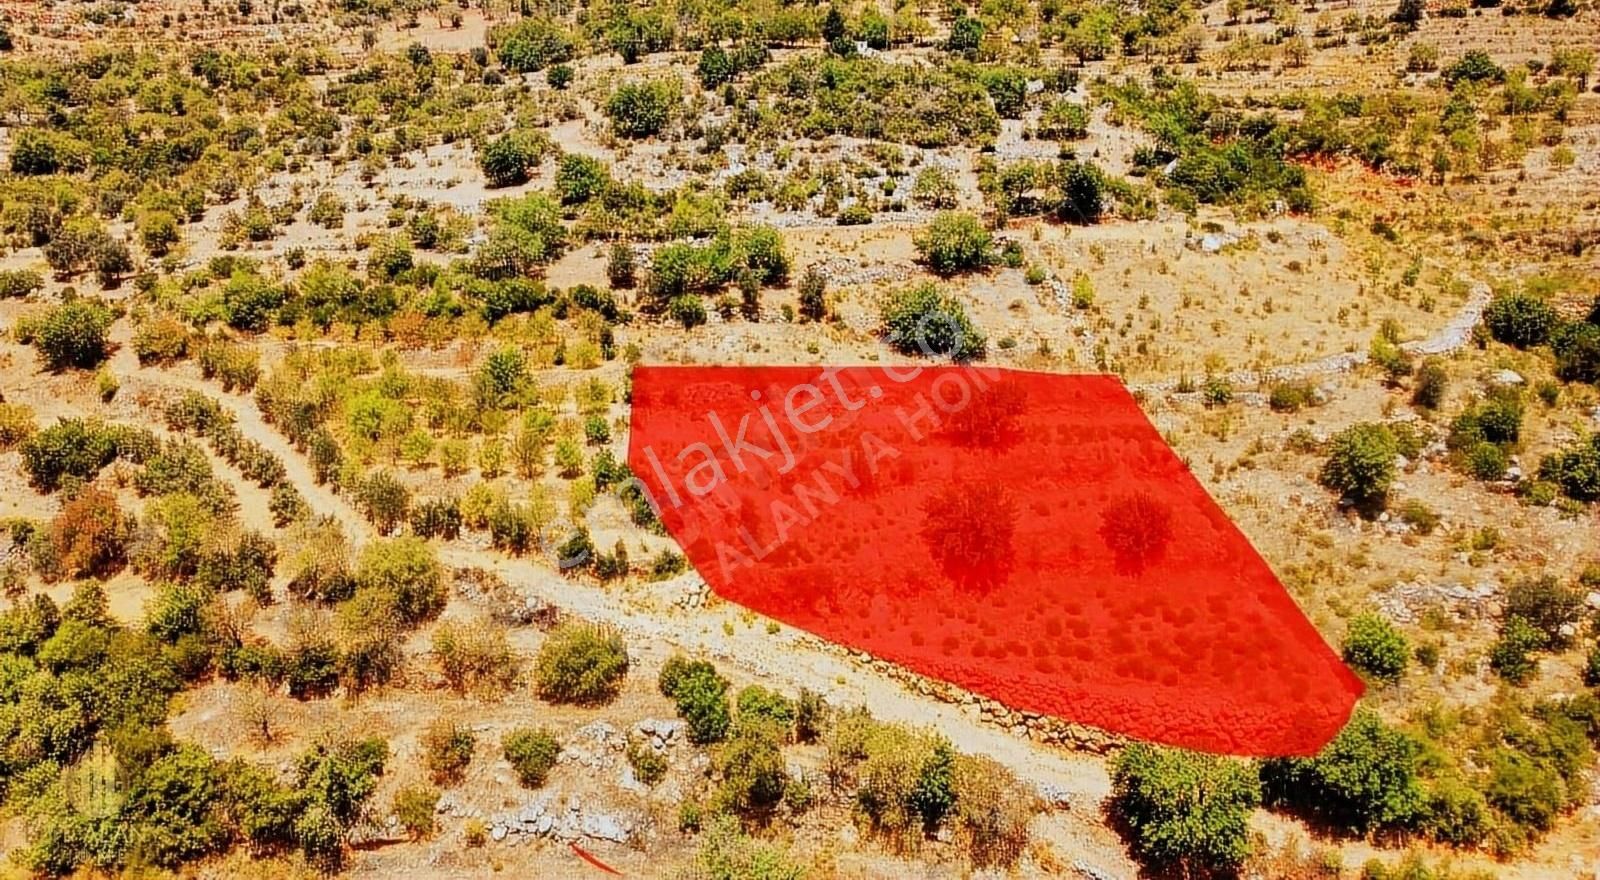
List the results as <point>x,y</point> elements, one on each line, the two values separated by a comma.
<point>580,178</point>
<point>753,774</point>
<point>1361,464</point>
<point>406,572</point>
<point>701,695</point>
<point>1366,778</point>
<point>1409,13</point>
<point>1080,186</point>
<point>509,159</point>
<point>1375,648</point>
<point>813,295</point>
<point>921,320</point>
<point>1431,384</point>
<point>1184,809</point>
<point>620,266</point>
<point>641,110</point>
<point>1511,656</point>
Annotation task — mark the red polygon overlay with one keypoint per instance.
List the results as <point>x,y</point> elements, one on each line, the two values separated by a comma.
<point>1027,536</point>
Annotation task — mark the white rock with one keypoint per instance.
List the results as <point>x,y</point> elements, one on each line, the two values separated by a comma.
<point>1506,377</point>
<point>603,827</point>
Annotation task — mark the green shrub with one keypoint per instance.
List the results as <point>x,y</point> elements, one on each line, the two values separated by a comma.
<point>753,773</point>
<point>1511,656</point>
<point>1520,319</point>
<point>1575,470</point>
<point>532,752</point>
<point>510,158</point>
<point>1185,810</point>
<point>1548,606</point>
<point>1474,66</point>
<point>757,705</point>
<point>581,663</point>
<point>1431,384</point>
<point>701,695</point>
<point>1366,778</point>
<point>1375,648</point>
<point>649,766</point>
<point>72,334</point>
<point>641,109</point>
<point>1064,120</point>
<point>688,310</point>
<point>406,572</point>
<point>1528,790</point>
<point>1291,396</point>
<point>921,320</point>
<point>1361,463</point>
<point>905,782</point>
<point>1457,814</point>
<point>1576,345</point>
<point>955,242</point>
<point>727,853</point>
<point>531,44</point>
<point>580,178</point>
<point>19,283</point>
<point>69,448</point>
<point>1419,516</point>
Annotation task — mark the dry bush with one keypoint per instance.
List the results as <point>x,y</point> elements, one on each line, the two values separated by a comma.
<point>475,656</point>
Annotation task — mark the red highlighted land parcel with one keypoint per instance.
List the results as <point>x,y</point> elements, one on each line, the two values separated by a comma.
<point>1027,536</point>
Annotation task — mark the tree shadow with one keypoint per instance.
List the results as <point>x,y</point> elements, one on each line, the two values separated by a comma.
<point>1136,529</point>
<point>969,528</point>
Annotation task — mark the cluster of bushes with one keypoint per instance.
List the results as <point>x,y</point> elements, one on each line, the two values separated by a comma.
<point>1539,614</point>
<point>1524,318</point>
<point>194,413</point>
<point>1575,470</point>
<point>1221,156</point>
<point>905,784</point>
<point>753,255</point>
<point>909,784</point>
<point>818,97</point>
<point>80,682</point>
<point>395,585</point>
<point>1494,778</point>
<point>1485,432</point>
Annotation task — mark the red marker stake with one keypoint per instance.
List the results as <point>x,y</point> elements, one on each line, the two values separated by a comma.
<point>594,861</point>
